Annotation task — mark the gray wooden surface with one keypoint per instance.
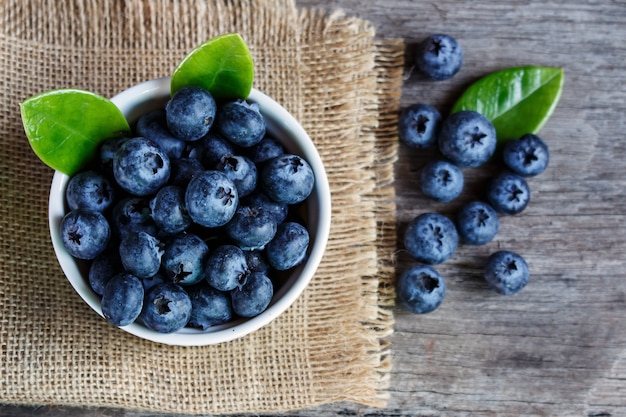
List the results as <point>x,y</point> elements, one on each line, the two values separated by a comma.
<point>559,347</point>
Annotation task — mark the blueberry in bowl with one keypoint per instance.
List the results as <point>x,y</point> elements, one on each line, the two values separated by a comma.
<point>168,301</point>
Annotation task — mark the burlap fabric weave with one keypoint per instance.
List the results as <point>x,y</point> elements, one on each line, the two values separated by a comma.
<point>327,69</point>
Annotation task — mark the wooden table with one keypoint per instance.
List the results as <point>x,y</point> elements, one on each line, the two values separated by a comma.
<point>559,347</point>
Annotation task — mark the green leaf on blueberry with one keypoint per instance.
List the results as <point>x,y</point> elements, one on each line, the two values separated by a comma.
<point>222,65</point>
<point>517,100</point>
<point>65,127</point>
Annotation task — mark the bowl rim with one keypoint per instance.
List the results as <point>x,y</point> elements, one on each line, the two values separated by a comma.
<point>279,121</point>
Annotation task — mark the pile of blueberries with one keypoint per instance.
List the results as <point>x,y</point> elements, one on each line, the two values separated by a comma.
<point>465,139</point>
<point>194,220</point>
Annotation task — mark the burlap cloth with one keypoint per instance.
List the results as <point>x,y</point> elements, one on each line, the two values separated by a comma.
<point>336,77</point>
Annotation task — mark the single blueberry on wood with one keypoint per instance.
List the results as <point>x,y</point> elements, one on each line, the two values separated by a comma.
<point>431,238</point>
<point>420,289</point>
<point>506,272</point>
<point>439,57</point>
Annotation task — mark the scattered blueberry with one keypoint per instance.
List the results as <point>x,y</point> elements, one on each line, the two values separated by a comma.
<point>122,299</point>
<point>431,238</point>
<point>527,156</point>
<point>418,126</point>
<point>467,139</point>
<point>166,308</point>
<point>441,181</point>
<point>85,234</point>
<point>153,126</point>
<point>141,254</point>
<point>140,167</point>
<point>168,210</point>
<point>183,259</point>
<point>89,190</point>
<point>254,296</point>
<point>226,268</point>
<point>251,227</point>
<point>477,223</point>
<point>211,199</point>
<point>190,113</point>
<point>241,123</point>
<point>287,179</point>
<point>420,289</point>
<point>506,272</point>
<point>289,246</point>
<point>508,193</point>
<point>209,307</point>
<point>439,57</point>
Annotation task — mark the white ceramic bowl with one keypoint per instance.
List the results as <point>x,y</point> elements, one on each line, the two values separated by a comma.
<point>153,94</point>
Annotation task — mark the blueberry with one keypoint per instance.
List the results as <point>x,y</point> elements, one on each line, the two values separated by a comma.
<point>226,268</point>
<point>241,123</point>
<point>477,223</point>
<point>527,156</point>
<point>259,199</point>
<point>256,261</point>
<point>420,289</point>
<point>419,125</point>
<point>183,259</point>
<point>211,199</point>
<point>508,193</point>
<point>89,190</point>
<point>141,254</point>
<point>168,210</point>
<point>431,238</point>
<point>467,139</point>
<point>212,149</point>
<point>182,170</point>
<point>289,246</point>
<point>166,308</point>
<point>150,282</point>
<point>251,227</point>
<point>287,179</point>
<point>439,57</point>
<point>122,299</point>
<point>268,148</point>
<point>133,214</point>
<point>506,272</point>
<point>108,149</point>
<point>441,181</point>
<point>140,167</point>
<point>103,267</point>
<point>254,296</point>
<point>242,172</point>
<point>209,307</point>
<point>190,113</point>
<point>153,126</point>
<point>84,233</point>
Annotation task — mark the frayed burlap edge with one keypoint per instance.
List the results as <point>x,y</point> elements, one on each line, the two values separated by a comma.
<point>379,99</point>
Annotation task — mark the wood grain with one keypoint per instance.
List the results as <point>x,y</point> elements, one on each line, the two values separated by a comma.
<point>559,347</point>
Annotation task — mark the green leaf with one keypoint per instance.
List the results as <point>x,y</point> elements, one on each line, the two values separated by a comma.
<point>516,100</point>
<point>222,65</point>
<point>65,127</point>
